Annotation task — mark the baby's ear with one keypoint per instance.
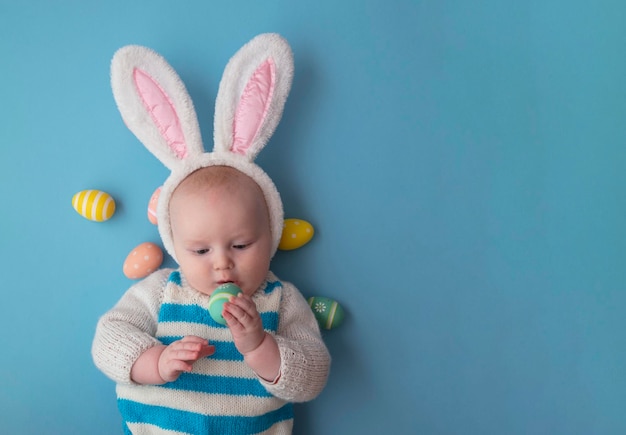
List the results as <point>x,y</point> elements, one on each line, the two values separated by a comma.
<point>252,95</point>
<point>155,105</point>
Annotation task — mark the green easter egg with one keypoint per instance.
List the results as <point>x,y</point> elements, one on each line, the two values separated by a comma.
<point>220,296</point>
<point>328,312</point>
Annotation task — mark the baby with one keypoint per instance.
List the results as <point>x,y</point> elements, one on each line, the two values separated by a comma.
<point>220,217</point>
<point>175,367</point>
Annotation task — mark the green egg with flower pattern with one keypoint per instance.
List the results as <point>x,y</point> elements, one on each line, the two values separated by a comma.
<point>328,312</point>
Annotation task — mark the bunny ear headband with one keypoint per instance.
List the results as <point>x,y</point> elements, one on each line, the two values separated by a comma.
<point>156,107</point>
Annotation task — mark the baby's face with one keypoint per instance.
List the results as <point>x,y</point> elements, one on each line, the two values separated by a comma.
<point>221,235</point>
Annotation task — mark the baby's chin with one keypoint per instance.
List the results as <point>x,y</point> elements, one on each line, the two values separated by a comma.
<point>247,288</point>
<point>205,289</point>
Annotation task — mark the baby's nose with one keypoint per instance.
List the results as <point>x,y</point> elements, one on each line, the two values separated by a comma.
<point>223,262</point>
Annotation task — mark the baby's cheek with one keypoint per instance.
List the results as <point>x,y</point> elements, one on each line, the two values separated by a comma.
<point>255,282</point>
<point>198,282</point>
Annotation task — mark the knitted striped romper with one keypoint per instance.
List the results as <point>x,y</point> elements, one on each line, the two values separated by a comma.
<point>222,395</point>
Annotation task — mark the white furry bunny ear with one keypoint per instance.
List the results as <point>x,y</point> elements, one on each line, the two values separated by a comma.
<point>252,95</point>
<point>155,105</point>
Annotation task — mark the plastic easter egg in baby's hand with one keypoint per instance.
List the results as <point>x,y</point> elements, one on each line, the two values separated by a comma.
<point>144,259</point>
<point>152,206</point>
<point>219,297</point>
<point>296,233</point>
<point>328,312</point>
<point>94,205</point>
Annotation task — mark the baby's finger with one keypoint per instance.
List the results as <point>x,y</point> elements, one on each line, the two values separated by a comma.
<point>186,355</point>
<point>245,302</point>
<point>247,319</point>
<point>233,318</point>
<point>191,344</point>
<point>201,345</point>
<point>193,339</point>
<point>206,350</point>
<point>244,310</point>
<point>234,310</point>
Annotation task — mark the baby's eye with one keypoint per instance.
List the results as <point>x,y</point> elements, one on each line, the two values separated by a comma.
<point>201,251</point>
<point>242,246</point>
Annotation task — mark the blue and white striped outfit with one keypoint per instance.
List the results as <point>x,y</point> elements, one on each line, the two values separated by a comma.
<point>221,395</point>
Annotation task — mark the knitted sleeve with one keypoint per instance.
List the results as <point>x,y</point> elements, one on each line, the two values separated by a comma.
<point>305,361</point>
<point>128,329</point>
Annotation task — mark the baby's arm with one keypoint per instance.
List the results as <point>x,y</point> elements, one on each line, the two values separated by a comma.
<point>127,330</point>
<point>295,362</point>
<point>259,349</point>
<point>125,348</point>
<point>305,361</point>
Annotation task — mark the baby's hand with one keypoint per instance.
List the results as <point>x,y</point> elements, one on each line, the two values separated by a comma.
<point>244,322</point>
<point>179,356</point>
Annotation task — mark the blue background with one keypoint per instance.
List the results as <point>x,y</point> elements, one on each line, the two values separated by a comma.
<point>463,164</point>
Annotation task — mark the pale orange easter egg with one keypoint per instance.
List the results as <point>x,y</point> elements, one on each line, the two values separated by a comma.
<point>152,206</point>
<point>143,260</point>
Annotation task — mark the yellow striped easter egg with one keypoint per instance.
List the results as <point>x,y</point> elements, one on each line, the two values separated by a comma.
<point>296,233</point>
<point>94,205</point>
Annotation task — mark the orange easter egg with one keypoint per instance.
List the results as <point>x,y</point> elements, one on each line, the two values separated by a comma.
<point>152,206</point>
<point>143,260</point>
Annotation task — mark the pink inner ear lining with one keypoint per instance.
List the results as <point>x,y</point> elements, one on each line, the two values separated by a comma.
<point>253,107</point>
<point>162,111</point>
